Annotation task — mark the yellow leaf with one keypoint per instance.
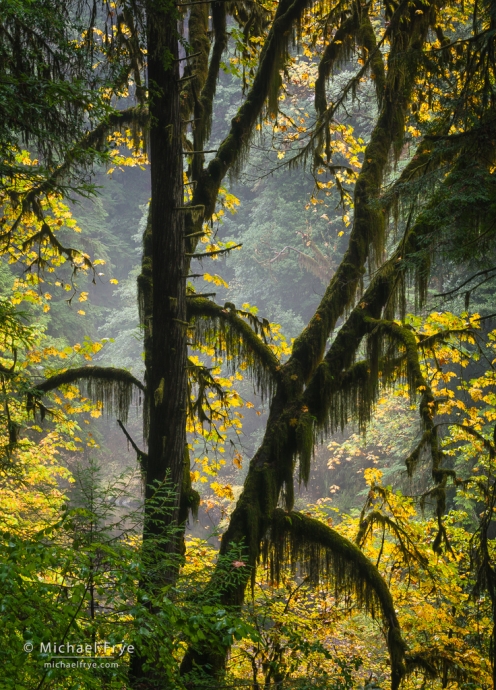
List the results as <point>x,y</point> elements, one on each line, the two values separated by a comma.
<point>222,491</point>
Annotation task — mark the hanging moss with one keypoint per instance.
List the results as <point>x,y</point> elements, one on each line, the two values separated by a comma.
<point>323,554</point>
<point>413,459</point>
<point>113,388</point>
<point>367,39</point>
<point>239,336</point>
<point>338,50</point>
<point>305,442</point>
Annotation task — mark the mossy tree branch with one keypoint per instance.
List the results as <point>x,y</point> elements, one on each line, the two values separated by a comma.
<point>219,25</point>
<point>110,386</point>
<point>337,49</point>
<point>232,149</point>
<point>323,552</point>
<point>240,340</point>
<point>368,225</point>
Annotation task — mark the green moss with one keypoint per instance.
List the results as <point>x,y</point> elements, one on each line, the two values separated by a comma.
<point>113,388</point>
<point>337,51</point>
<point>323,554</point>
<point>305,441</point>
<point>190,499</point>
<point>239,336</point>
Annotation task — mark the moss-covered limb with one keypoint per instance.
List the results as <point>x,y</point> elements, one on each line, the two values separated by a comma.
<point>107,385</point>
<point>193,81</point>
<point>69,376</point>
<point>324,393</point>
<point>219,25</point>
<point>323,552</point>
<point>339,389</point>
<point>233,148</point>
<point>368,41</point>
<point>368,226</point>
<point>241,341</point>
<point>337,49</point>
<point>195,71</point>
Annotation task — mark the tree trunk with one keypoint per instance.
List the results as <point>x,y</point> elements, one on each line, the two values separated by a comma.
<point>166,359</point>
<point>162,288</point>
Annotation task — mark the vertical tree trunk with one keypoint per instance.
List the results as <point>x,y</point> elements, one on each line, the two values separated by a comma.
<point>166,363</point>
<point>163,296</point>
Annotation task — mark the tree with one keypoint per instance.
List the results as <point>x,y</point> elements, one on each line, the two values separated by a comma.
<point>408,50</point>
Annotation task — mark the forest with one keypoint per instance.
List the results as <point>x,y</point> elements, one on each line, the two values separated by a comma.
<point>247,344</point>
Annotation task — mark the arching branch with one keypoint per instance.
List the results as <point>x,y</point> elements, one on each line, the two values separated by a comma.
<point>107,385</point>
<point>323,552</point>
<point>242,336</point>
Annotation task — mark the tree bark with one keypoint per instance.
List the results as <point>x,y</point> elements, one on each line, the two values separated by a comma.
<point>166,362</point>
<point>163,301</point>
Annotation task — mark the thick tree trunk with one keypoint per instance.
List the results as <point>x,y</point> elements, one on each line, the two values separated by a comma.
<point>163,298</point>
<point>166,358</point>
